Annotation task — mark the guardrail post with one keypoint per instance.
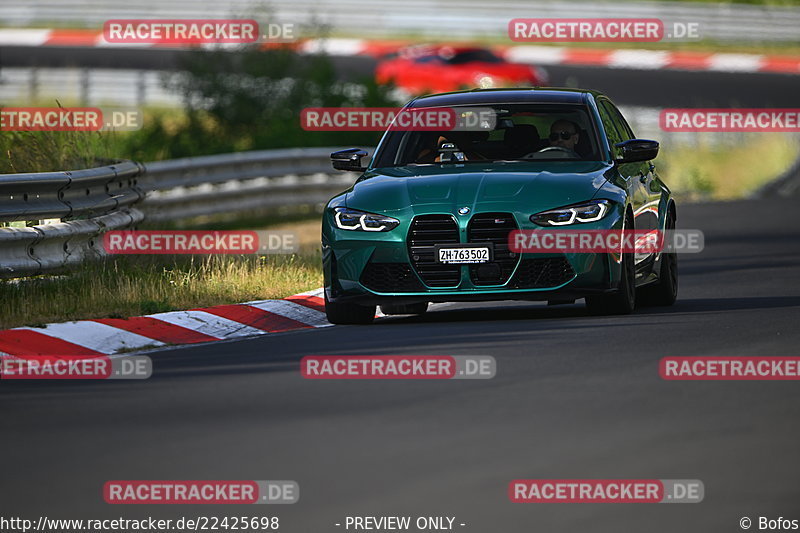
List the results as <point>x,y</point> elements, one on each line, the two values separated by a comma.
<point>85,86</point>
<point>141,89</point>
<point>33,84</point>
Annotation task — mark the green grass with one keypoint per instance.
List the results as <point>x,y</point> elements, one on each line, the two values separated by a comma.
<point>124,286</point>
<point>705,171</point>
<point>49,151</point>
<point>133,286</point>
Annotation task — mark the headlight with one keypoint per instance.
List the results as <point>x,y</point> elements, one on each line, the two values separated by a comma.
<point>588,212</point>
<point>353,219</point>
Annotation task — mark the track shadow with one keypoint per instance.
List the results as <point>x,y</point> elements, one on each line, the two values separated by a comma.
<point>280,353</point>
<point>540,312</point>
<point>704,305</point>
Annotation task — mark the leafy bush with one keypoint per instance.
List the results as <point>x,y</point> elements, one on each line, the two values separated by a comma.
<point>252,99</point>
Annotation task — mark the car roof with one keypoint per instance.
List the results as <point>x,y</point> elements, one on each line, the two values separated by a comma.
<point>549,95</point>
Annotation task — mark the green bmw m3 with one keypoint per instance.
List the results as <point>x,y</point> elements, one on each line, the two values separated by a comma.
<point>429,218</point>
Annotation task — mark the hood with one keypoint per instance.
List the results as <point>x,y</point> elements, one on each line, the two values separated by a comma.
<point>510,187</point>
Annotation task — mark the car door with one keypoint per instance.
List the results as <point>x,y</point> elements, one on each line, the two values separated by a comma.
<point>631,173</point>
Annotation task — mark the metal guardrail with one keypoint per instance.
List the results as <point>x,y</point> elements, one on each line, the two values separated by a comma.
<point>86,203</point>
<point>69,195</point>
<point>51,247</point>
<point>240,182</point>
<point>93,201</point>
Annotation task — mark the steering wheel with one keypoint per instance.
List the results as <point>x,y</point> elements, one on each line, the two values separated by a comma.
<point>569,152</point>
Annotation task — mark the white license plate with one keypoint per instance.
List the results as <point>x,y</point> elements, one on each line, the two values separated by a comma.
<point>464,255</point>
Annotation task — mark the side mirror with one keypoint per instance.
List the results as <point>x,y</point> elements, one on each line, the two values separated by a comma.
<point>349,159</point>
<point>634,150</point>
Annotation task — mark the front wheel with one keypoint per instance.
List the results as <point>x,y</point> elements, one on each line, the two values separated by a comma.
<point>623,301</point>
<point>665,291</point>
<point>345,313</point>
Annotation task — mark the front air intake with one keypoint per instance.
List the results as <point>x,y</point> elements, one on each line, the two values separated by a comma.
<point>425,233</point>
<point>493,228</point>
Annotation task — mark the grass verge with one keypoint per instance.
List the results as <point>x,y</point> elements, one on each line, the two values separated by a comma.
<point>137,285</point>
<point>51,151</point>
<point>706,171</point>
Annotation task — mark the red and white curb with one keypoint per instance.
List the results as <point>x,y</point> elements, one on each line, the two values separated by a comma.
<point>535,54</point>
<point>107,336</point>
<point>609,58</point>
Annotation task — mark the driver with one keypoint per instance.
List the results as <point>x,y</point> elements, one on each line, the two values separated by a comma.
<point>564,134</point>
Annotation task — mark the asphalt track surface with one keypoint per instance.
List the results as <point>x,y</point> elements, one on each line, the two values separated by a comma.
<point>575,397</point>
<point>664,88</point>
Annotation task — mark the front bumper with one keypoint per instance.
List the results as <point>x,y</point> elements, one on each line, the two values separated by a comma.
<point>378,269</point>
<point>593,277</point>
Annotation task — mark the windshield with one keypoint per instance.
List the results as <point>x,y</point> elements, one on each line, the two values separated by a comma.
<point>527,132</point>
<point>468,56</point>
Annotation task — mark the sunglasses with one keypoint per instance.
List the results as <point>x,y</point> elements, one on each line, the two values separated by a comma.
<point>565,135</point>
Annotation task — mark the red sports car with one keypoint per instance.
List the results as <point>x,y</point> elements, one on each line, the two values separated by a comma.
<point>423,69</point>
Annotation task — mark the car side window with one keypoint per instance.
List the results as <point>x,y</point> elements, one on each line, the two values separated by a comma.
<point>622,125</point>
<point>428,59</point>
<point>610,126</point>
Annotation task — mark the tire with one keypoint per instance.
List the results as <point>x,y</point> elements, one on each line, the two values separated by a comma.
<point>405,309</point>
<point>664,292</point>
<point>344,313</point>
<point>623,301</point>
